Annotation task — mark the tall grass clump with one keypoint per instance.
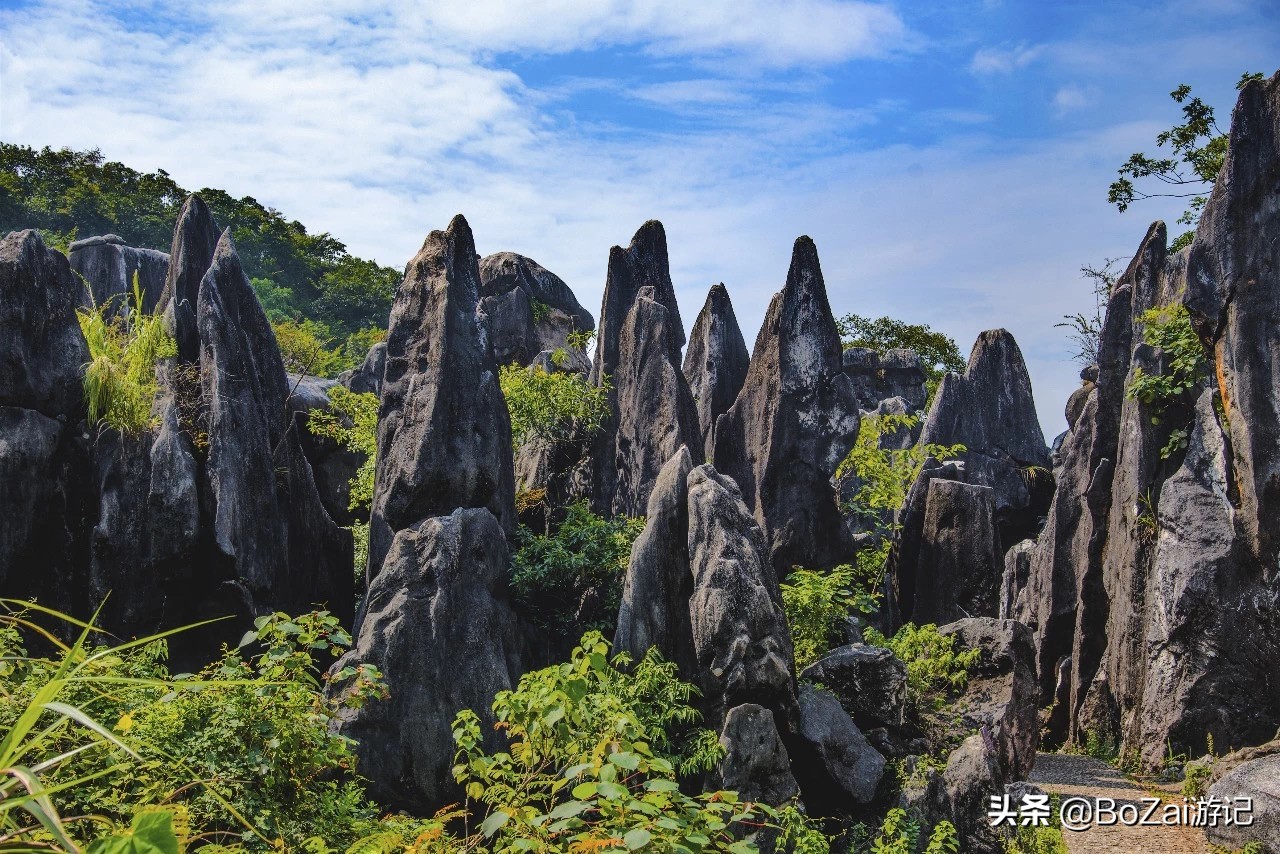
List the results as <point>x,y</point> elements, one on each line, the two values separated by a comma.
<point>120,383</point>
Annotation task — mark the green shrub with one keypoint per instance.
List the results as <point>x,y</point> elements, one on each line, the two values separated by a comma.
<point>817,604</point>
<point>306,348</point>
<point>1169,329</point>
<point>1036,840</point>
<point>352,423</point>
<point>551,573</point>
<point>120,385</point>
<point>900,834</point>
<point>936,670</point>
<point>552,407</point>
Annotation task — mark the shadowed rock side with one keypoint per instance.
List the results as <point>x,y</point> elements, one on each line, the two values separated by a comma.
<point>651,411</point>
<point>268,522</point>
<point>438,625</point>
<point>108,265</point>
<point>367,379</point>
<point>527,308</point>
<point>444,436</point>
<point>756,764</point>
<point>793,422</point>
<point>716,361</point>
<point>42,449</point>
<point>1155,577</point>
<point>875,377</point>
<point>658,585</point>
<point>960,568</point>
<point>333,464</point>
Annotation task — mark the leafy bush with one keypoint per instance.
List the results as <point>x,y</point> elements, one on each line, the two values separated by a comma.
<point>586,554</point>
<point>900,834</point>
<point>1169,328</point>
<point>552,407</point>
<point>817,604</point>
<point>120,383</point>
<point>305,348</point>
<point>353,423</point>
<point>936,670</point>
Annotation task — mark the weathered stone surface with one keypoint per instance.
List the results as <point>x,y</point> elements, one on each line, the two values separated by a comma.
<point>756,764</point>
<point>902,375</point>
<point>869,681</point>
<point>108,265</point>
<point>651,410</point>
<point>505,271</point>
<point>1013,584</point>
<point>740,635</point>
<point>42,352</point>
<point>333,465</point>
<point>845,769</point>
<point>990,410</point>
<point>959,567</point>
<point>961,794</point>
<point>659,583</point>
<point>1001,697</point>
<point>438,624</point>
<point>267,523</point>
<point>1259,781</point>
<point>656,416</point>
<point>444,436</point>
<point>793,422</point>
<point>716,360</point>
<point>862,367</point>
<point>195,237</point>
<point>367,379</point>
<point>527,308</point>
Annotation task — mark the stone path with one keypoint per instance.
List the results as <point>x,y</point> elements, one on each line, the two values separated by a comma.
<point>1084,776</point>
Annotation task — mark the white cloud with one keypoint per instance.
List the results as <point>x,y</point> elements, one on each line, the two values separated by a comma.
<point>1002,60</point>
<point>1069,98</point>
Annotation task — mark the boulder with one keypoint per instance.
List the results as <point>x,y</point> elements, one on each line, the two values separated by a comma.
<point>504,272</point>
<point>740,635</point>
<point>902,375</point>
<point>841,768</point>
<point>715,362</point>
<point>651,410</point>
<point>367,379</point>
<point>659,584</point>
<point>869,681</point>
<point>960,794</point>
<point>527,308</point>
<point>1257,783</point>
<point>862,367</point>
<point>1013,584</point>
<point>42,353</point>
<point>109,265</point>
<point>756,764</point>
<point>793,422</point>
<point>438,624</point>
<point>444,436</point>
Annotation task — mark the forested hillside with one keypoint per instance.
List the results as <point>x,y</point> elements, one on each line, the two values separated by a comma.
<point>327,305</point>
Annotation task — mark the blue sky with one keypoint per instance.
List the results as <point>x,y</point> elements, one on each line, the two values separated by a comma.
<point>950,159</point>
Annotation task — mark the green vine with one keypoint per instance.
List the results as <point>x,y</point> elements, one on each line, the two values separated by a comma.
<point>1169,329</point>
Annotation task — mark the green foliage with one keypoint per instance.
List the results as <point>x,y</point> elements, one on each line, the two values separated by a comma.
<point>1086,330</point>
<point>552,407</point>
<point>540,310</point>
<point>120,383</point>
<point>591,763</point>
<point>1029,839</point>
<point>817,604</point>
<point>1175,387</point>
<point>938,352</point>
<point>306,348</point>
<point>352,423</point>
<point>1196,776</point>
<point>885,474</point>
<point>936,670</point>
<point>1198,146</point>
<point>586,553</point>
<point>900,834</point>
<point>1097,744</point>
<point>66,194</point>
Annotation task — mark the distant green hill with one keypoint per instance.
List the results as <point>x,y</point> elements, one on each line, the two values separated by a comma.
<point>312,288</point>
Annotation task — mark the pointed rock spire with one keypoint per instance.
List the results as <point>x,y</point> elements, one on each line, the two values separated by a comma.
<point>716,361</point>
<point>794,420</point>
<point>195,238</point>
<point>444,435</point>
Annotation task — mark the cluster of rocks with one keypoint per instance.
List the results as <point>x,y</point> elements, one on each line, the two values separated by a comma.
<point>214,508</point>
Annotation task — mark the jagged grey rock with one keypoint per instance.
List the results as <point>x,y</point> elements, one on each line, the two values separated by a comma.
<point>108,266</point>
<point>869,681</point>
<point>195,238</point>
<point>740,634</point>
<point>42,352</point>
<point>527,308</point>
<point>990,410</point>
<point>268,526</point>
<point>1013,585</point>
<point>333,464</point>
<point>793,422</point>
<point>959,566</point>
<point>438,624</point>
<point>651,410</point>
<point>845,768</point>
<point>367,379</point>
<point>716,360</point>
<point>659,583</point>
<point>444,435</point>
<point>903,376</point>
<point>756,764</point>
<point>1001,697</point>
